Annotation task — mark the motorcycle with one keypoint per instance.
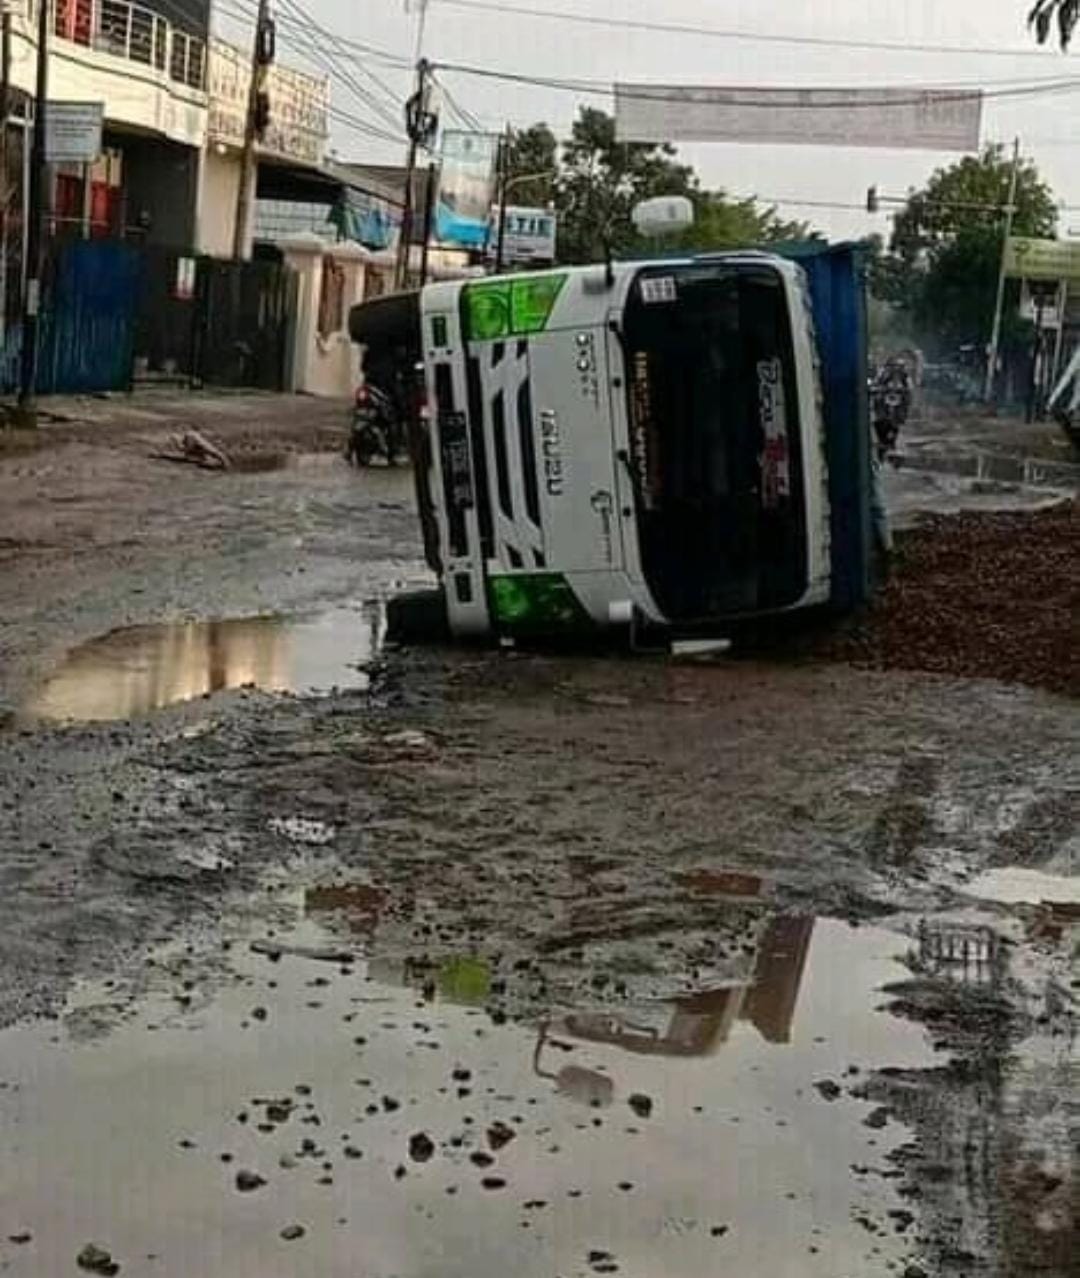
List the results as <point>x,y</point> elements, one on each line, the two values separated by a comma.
<point>377,429</point>
<point>890,404</point>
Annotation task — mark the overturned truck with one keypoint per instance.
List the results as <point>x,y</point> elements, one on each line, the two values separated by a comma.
<point>671,446</point>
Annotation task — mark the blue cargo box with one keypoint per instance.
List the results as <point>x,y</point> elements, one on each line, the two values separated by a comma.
<point>837,289</point>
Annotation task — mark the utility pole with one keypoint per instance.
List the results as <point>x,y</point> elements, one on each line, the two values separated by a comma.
<point>5,182</point>
<point>35,231</point>
<point>504,186</point>
<point>258,117</point>
<point>999,304</point>
<point>418,126</point>
<point>429,214</point>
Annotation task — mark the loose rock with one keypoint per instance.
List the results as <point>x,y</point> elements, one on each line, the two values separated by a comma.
<point>641,1104</point>
<point>96,1260</point>
<point>421,1147</point>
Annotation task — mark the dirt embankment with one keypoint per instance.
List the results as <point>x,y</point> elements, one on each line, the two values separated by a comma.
<point>993,596</point>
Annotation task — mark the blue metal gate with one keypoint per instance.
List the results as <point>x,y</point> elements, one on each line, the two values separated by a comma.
<point>88,317</point>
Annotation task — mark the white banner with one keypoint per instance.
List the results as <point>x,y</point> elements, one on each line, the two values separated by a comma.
<point>919,119</point>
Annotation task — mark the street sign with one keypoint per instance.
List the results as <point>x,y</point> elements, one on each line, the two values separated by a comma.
<point>73,132</point>
<point>1032,259</point>
<point>466,186</point>
<point>528,234</point>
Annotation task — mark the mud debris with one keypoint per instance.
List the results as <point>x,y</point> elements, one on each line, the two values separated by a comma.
<point>421,1147</point>
<point>641,1104</point>
<point>95,1259</point>
<point>1012,618</point>
<point>499,1135</point>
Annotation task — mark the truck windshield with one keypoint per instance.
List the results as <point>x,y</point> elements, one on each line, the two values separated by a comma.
<point>714,429</point>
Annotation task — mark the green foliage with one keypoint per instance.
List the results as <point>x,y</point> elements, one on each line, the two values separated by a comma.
<point>722,223</point>
<point>597,180</point>
<point>533,151</point>
<point>942,270</point>
<point>944,207</point>
<point>600,182</point>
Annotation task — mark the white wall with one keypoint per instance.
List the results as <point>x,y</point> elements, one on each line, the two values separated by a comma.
<point>133,94</point>
<point>217,202</point>
<point>324,365</point>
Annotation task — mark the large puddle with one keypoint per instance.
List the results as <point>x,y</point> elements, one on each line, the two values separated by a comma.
<point>337,1118</point>
<point>143,668</point>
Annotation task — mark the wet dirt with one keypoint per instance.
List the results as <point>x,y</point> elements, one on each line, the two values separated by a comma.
<point>993,596</point>
<point>144,668</point>
<point>689,873</point>
<point>97,536</point>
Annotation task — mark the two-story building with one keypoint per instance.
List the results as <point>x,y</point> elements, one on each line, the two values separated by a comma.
<point>174,101</point>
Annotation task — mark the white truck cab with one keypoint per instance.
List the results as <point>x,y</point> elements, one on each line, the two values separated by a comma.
<point>639,440</point>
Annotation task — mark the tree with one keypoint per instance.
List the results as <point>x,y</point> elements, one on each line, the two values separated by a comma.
<point>1043,14</point>
<point>942,270</point>
<point>534,150</point>
<point>723,223</point>
<point>944,207</point>
<point>601,181</point>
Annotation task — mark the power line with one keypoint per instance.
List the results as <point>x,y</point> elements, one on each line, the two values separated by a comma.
<point>383,56</point>
<point>333,39</point>
<point>740,98</point>
<point>757,37</point>
<point>316,52</point>
<point>465,116</point>
<point>355,123</point>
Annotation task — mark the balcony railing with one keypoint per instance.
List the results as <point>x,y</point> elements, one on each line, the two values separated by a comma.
<point>132,32</point>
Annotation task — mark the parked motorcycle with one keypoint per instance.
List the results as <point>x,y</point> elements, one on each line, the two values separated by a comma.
<point>377,428</point>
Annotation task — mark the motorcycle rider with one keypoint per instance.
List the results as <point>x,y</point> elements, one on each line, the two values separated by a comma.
<point>382,366</point>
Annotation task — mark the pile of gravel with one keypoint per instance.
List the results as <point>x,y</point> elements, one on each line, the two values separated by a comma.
<point>993,596</point>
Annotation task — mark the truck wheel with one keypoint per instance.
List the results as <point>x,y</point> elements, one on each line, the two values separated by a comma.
<point>418,617</point>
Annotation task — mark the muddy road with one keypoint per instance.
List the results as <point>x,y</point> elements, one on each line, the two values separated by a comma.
<point>577,964</point>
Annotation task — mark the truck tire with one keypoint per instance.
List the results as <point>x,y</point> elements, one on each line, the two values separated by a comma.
<point>418,617</point>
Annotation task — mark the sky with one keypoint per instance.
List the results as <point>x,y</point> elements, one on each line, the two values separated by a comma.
<point>514,40</point>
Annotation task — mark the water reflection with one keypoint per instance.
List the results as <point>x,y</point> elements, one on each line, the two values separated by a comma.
<point>700,1023</point>
<point>143,668</point>
<point>982,466</point>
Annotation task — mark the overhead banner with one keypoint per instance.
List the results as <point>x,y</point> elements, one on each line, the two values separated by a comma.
<point>466,188</point>
<point>1032,259</point>
<point>915,119</point>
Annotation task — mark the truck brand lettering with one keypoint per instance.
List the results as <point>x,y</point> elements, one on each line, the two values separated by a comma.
<point>551,448</point>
